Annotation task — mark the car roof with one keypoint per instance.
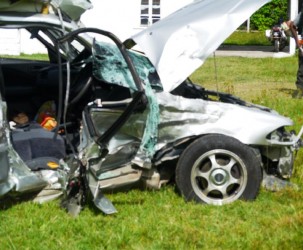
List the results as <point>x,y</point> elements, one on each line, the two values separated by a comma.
<point>68,8</point>
<point>23,20</point>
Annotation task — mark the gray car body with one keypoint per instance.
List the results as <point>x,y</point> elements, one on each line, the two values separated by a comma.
<point>179,121</point>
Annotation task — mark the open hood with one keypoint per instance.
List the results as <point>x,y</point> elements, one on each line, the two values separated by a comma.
<point>180,43</point>
<point>71,8</point>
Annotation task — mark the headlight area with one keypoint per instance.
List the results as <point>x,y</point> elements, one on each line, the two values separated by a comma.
<point>278,155</point>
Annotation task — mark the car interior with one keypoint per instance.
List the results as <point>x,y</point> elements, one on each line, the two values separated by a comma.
<point>27,84</point>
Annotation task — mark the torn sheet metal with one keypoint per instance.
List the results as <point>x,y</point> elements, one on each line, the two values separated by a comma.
<point>21,5</point>
<point>110,66</point>
<point>72,8</point>
<point>180,43</point>
<point>20,178</point>
<point>181,117</point>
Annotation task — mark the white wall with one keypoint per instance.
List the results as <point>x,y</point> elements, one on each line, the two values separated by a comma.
<point>113,15</point>
<point>10,42</point>
<point>121,17</point>
<point>30,46</point>
<point>15,42</point>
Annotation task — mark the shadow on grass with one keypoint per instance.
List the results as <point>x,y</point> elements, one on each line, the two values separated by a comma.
<point>287,91</point>
<point>7,202</point>
<point>122,199</point>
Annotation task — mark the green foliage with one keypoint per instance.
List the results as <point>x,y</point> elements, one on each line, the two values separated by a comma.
<point>269,15</point>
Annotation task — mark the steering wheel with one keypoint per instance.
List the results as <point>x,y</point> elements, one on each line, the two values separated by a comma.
<point>81,84</point>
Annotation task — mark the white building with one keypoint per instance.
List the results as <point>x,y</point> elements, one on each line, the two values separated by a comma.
<point>121,17</point>
<point>125,18</point>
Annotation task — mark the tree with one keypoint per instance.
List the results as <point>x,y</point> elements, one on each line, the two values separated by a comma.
<point>269,15</point>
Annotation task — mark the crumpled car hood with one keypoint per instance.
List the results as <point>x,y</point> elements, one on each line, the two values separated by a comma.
<point>180,43</point>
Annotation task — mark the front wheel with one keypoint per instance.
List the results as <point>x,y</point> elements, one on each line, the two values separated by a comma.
<point>277,45</point>
<point>218,169</point>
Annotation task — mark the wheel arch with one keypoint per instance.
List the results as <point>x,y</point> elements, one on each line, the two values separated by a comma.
<point>167,157</point>
<point>176,148</point>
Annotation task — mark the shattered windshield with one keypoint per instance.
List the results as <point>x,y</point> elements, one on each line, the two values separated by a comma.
<point>110,66</point>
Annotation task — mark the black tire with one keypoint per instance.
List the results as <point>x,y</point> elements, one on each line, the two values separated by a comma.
<point>283,44</point>
<point>217,169</point>
<point>276,45</point>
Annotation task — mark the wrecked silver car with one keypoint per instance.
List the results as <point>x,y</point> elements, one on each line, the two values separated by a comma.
<point>101,115</point>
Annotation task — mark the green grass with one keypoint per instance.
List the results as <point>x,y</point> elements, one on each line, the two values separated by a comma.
<point>162,219</point>
<point>39,57</point>
<point>247,38</point>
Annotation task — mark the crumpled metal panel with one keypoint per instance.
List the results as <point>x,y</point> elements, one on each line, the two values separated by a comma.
<point>181,117</point>
<point>110,66</point>
<point>73,8</point>
<point>4,169</point>
<point>22,5</point>
<point>20,178</point>
<point>180,43</point>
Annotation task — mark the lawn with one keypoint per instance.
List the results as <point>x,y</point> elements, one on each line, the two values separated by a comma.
<point>162,219</point>
<point>241,37</point>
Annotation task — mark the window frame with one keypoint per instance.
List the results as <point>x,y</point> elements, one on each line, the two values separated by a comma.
<point>150,12</point>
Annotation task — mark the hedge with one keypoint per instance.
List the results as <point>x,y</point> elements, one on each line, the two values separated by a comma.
<point>270,14</point>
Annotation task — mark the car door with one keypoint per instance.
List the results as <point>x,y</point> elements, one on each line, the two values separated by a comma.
<point>116,120</point>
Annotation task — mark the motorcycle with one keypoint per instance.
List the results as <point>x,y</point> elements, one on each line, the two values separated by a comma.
<point>277,37</point>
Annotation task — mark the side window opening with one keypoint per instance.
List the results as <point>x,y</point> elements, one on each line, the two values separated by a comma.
<point>16,42</point>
